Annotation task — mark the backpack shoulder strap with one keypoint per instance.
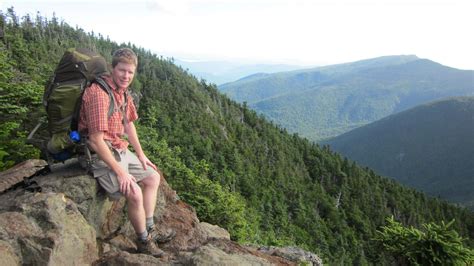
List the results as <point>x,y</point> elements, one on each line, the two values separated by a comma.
<point>103,85</point>
<point>77,109</point>
<point>125,106</point>
<point>112,107</point>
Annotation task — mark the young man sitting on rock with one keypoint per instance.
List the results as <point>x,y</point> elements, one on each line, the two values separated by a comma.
<point>116,168</point>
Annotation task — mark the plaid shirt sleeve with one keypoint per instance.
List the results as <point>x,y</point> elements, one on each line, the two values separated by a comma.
<point>95,106</point>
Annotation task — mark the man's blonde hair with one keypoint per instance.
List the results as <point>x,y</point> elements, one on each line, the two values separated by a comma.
<point>124,55</point>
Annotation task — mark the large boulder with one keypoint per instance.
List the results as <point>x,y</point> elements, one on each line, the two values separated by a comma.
<point>45,229</point>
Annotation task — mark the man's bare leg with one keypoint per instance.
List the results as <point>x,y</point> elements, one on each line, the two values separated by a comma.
<point>150,193</point>
<point>136,212</point>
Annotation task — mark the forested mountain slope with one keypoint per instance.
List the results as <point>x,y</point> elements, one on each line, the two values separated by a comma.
<point>429,147</point>
<point>237,169</point>
<point>327,101</point>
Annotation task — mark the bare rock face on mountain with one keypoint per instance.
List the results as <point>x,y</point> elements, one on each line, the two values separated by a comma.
<point>45,227</point>
<point>64,218</point>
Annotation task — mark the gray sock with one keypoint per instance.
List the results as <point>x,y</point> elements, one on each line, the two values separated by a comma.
<point>143,236</point>
<point>149,222</point>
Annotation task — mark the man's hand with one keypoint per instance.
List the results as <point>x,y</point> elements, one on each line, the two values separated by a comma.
<point>145,161</point>
<point>127,183</point>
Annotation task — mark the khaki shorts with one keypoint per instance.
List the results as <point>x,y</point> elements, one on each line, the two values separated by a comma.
<point>108,178</point>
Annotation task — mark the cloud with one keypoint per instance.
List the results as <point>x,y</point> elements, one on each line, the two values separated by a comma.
<point>176,7</point>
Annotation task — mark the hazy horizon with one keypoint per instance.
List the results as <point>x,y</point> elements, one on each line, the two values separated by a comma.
<point>298,32</point>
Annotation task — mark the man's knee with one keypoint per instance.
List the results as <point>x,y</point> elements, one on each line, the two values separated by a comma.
<point>152,180</point>
<point>135,197</point>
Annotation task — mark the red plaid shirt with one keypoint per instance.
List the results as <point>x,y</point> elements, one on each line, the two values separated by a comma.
<point>94,117</point>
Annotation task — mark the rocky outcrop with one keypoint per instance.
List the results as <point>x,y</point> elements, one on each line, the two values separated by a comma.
<point>64,218</point>
<point>292,254</point>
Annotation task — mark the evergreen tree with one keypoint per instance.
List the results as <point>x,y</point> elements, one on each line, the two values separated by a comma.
<point>436,244</point>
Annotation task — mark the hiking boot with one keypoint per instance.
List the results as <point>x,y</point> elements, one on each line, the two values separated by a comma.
<point>161,236</point>
<point>149,247</point>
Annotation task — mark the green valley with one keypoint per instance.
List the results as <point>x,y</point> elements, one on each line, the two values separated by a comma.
<point>429,147</point>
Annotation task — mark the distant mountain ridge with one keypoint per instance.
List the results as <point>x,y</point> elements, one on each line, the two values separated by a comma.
<point>324,102</point>
<point>429,147</point>
<point>220,72</point>
<point>303,78</point>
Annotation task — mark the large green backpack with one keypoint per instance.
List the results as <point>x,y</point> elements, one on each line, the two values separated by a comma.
<point>76,71</point>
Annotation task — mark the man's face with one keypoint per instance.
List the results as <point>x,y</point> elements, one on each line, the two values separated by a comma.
<point>122,74</point>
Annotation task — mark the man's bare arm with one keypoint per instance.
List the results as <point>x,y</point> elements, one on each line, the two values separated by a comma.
<point>133,139</point>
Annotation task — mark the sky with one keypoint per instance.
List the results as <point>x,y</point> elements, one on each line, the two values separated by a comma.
<point>302,32</point>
